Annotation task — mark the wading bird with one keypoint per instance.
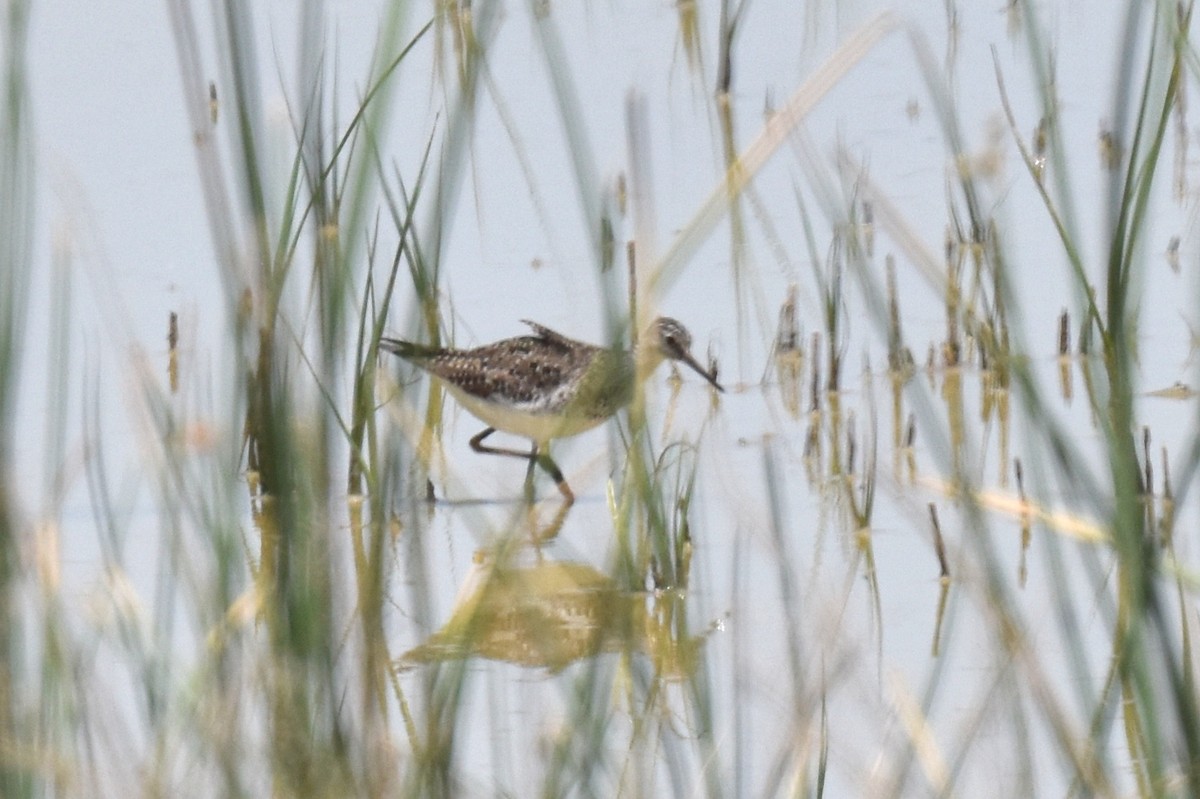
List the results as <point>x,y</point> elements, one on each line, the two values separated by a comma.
<point>547,386</point>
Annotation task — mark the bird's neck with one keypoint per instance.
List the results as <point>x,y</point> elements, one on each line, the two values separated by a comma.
<point>647,358</point>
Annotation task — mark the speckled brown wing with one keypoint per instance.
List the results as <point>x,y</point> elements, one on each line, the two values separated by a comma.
<point>538,372</point>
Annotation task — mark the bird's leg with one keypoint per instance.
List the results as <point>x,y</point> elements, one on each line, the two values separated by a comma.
<point>552,469</point>
<point>533,456</point>
<point>533,459</point>
<point>478,446</point>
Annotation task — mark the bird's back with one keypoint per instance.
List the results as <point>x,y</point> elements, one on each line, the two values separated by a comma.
<point>538,374</point>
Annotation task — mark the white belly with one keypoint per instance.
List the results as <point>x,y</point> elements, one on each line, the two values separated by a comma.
<point>520,421</point>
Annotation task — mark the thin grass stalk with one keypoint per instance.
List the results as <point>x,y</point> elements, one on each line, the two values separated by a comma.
<point>582,154</point>
<point>18,777</point>
<point>211,168</point>
<point>480,25</point>
<point>363,395</point>
<point>790,602</point>
<point>740,268</point>
<point>57,694</point>
<point>1092,316</point>
<point>1041,58</point>
<point>1138,592</point>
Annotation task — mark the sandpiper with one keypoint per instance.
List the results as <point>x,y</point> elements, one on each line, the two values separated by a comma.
<point>546,386</point>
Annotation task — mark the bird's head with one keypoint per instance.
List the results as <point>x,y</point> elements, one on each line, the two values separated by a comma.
<point>672,341</point>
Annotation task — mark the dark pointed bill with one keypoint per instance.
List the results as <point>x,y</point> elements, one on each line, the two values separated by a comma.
<point>687,358</point>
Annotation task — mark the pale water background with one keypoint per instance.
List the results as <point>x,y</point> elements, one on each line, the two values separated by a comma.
<point>118,202</point>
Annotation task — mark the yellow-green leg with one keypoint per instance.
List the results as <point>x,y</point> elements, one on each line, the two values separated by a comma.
<point>535,455</point>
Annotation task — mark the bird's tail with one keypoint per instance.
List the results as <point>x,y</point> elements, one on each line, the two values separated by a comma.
<point>408,350</point>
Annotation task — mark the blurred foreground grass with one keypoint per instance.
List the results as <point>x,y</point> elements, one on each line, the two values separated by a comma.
<point>266,661</point>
